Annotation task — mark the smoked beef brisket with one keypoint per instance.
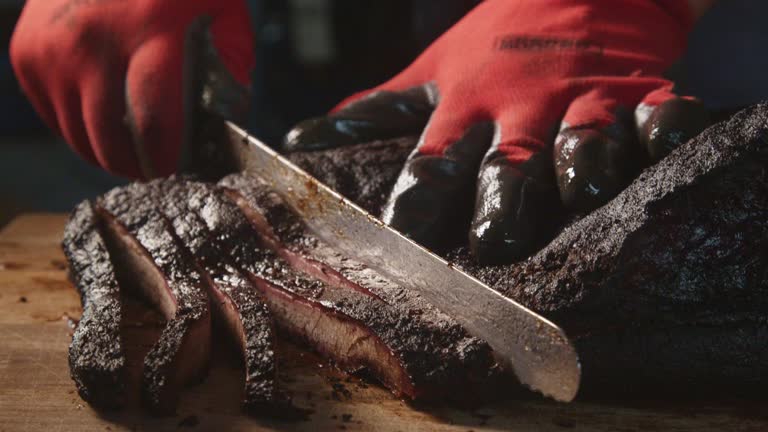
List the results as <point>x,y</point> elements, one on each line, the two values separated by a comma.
<point>176,241</point>
<point>151,263</point>
<point>665,287</point>
<point>202,226</point>
<point>422,353</point>
<point>96,357</point>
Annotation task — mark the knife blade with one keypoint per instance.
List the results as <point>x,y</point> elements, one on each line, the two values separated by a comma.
<point>540,354</point>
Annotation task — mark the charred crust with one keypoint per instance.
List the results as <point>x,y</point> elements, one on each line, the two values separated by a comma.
<point>180,355</point>
<point>96,357</point>
<point>435,352</point>
<point>205,225</point>
<point>665,281</point>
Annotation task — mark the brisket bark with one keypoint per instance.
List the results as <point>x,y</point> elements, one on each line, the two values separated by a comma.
<point>171,239</point>
<point>435,353</point>
<point>339,324</point>
<point>150,262</point>
<point>364,172</point>
<point>97,361</point>
<point>664,287</point>
<point>201,226</point>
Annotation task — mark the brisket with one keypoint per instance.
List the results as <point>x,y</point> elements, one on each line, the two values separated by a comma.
<point>97,361</point>
<point>171,240</point>
<point>235,302</point>
<point>150,262</point>
<point>333,322</point>
<point>365,172</point>
<point>665,287</point>
<point>436,354</point>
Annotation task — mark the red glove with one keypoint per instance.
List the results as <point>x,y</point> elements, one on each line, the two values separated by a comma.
<point>109,75</point>
<point>547,74</point>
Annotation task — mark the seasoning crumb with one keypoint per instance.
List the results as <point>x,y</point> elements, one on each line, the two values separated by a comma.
<point>22,299</point>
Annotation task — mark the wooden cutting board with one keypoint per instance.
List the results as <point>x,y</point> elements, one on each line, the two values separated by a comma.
<point>37,305</point>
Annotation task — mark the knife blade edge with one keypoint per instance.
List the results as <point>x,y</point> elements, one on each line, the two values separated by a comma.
<point>540,355</point>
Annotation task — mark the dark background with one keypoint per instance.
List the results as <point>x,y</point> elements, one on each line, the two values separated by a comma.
<point>313,53</point>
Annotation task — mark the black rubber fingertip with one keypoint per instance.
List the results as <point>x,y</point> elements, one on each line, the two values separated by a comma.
<point>297,138</point>
<point>516,212</point>
<point>431,201</point>
<point>381,115</point>
<point>592,168</point>
<point>318,133</point>
<point>492,244</point>
<point>672,124</point>
<point>416,213</point>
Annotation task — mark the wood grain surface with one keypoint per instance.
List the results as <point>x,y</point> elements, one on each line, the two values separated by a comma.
<point>36,393</point>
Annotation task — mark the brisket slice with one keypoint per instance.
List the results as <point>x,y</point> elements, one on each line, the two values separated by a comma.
<point>97,361</point>
<point>436,354</point>
<point>236,303</point>
<point>283,232</point>
<point>150,262</point>
<point>665,287</point>
<point>333,322</point>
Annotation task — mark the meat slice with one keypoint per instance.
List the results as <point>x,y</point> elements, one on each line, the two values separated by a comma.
<point>97,361</point>
<point>236,303</point>
<point>663,289</point>
<point>149,261</point>
<point>435,354</point>
<point>285,233</point>
<point>332,322</point>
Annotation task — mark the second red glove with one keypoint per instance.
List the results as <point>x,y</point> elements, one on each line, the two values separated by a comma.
<point>529,103</point>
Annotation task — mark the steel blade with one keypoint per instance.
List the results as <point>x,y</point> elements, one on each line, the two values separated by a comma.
<point>540,354</point>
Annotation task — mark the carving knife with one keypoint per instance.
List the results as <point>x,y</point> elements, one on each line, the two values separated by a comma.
<point>536,350</point>
<point>540,354</point>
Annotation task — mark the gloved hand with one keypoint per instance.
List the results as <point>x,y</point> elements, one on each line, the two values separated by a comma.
<point>110,75</point>
<point>529,103</point>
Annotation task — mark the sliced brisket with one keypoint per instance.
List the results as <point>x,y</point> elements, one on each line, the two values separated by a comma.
<point>150,262</point>
<point>236,303</point>
<point>435,353</point>
<point>665,287</point>
<point>331,321</point>
<point>96,358</point>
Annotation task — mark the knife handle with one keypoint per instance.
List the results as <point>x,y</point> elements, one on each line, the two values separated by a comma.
<point>211,96</point>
